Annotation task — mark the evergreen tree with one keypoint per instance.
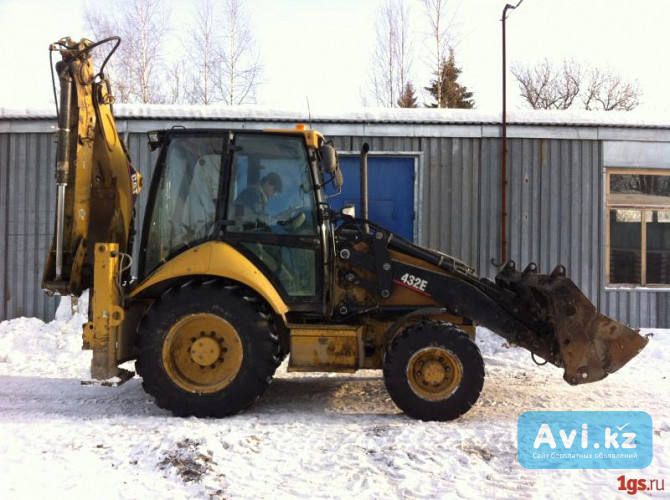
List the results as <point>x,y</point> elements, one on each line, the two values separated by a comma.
<point>454,95</point>
<point>408,98</point>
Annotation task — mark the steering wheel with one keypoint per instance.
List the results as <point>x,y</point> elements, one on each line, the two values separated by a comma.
<point>292,218</point>
<point>294,222</point>
<point>288,212</point>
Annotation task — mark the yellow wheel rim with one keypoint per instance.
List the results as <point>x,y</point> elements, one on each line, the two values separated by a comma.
<point>434,373</point>
<point>202,353</point>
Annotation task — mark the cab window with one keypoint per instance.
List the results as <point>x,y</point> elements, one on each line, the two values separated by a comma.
<point>270,189</point>
<point>271,209</point>
<point>184,208</point>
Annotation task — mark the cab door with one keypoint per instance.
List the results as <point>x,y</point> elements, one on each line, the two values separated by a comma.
<point>271,214</point>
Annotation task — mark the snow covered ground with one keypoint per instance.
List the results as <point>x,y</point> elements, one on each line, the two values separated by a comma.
<point>310,436</point>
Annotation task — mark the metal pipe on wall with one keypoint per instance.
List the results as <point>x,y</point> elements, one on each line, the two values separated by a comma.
<point>364,182</point>
<point>503,222</point>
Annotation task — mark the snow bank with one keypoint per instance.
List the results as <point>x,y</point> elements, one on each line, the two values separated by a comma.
<point>30,347</point>
<point>310,436</point>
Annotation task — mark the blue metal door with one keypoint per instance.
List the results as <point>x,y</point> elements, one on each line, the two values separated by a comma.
<point>390,191</point>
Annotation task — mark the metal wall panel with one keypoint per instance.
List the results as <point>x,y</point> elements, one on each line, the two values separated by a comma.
<point>4,221</point>
<point>640,308</point>
<point>553,205</point>
<point>662,309</point>
<point>555,210</point>
<point>488,226</point>
<point>29,192</point>
<point>450,190</point>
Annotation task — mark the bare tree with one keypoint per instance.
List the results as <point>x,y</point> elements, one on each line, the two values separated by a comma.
<point>392,59</point>
<point>440,24</point>
<point>608,91</point>
<point>146,24</point>
<point>404,45</point>
<point>238,75</point>
<point>204,55</point>
<point>178,83</point>
<point>383,76</point>
<point>103,26</point>
<point>143,26</point>
<point>544,86</point>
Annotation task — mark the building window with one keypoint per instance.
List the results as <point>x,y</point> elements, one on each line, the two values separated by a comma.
<point>638,228</point>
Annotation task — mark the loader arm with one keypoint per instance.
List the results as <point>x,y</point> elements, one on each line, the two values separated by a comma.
<point>546,314</point>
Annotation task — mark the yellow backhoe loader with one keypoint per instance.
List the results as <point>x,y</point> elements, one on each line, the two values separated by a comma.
<point>243,262</point>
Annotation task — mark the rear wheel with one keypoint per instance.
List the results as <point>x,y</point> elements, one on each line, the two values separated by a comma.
<point>434,371</point>
<point>207,350</point>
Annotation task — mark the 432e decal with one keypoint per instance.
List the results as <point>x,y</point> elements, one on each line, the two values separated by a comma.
<point>413,282</point>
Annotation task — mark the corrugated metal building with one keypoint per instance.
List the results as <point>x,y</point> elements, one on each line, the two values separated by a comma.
<point>560,208</point>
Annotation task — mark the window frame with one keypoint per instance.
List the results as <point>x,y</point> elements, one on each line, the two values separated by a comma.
<point>644,208</point>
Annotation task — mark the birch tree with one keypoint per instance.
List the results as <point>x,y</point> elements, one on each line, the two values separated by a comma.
<point>392,58</point>
<point>239,70</point>
<point>178,83</point>
<point>440,24</point>
<point>203,50</point>
<point>102,26</point>
<point>143,26</point>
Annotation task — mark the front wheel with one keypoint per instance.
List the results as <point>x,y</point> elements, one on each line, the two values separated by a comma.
<point>207,350</point>
<point>434,371</point>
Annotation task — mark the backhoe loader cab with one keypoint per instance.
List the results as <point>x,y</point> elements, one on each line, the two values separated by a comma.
<point>254,191</point>
<point>243,263</point>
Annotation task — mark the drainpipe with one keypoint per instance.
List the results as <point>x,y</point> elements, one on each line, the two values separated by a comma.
<point>503,222</point>
<point>364,183</point>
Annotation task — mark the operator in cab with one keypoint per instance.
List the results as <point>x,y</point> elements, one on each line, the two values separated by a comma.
<point>252,201</point>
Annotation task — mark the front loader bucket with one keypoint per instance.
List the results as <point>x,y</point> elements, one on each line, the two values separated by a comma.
<point>590,345</point>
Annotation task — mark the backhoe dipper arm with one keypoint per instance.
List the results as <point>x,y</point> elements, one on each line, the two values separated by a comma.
<point>96,191</point>
<point>96,185</point>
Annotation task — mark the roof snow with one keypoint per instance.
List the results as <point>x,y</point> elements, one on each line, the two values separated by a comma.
<point>425,116</point>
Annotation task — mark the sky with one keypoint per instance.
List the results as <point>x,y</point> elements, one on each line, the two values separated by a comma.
<point>320,50</point>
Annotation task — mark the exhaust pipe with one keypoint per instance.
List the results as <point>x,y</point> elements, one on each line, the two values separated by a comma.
<point>364,184</point>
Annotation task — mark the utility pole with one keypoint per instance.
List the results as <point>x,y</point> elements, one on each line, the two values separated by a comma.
<point>503,223</point>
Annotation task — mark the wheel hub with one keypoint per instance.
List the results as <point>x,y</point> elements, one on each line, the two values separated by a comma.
<point>434,373</point>
<point>206,351</point>
<point>202,353</point>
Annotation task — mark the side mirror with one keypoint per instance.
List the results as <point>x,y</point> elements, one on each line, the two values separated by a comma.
<point>329,161</point>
